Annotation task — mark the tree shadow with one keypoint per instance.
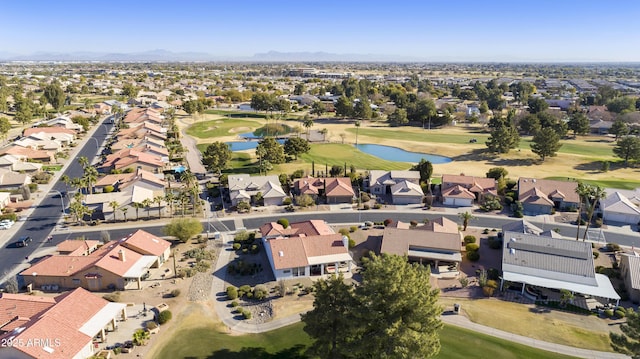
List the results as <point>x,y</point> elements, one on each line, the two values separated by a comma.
<point>478,154</point>
<point>594,167</point>
<point>295,352</point>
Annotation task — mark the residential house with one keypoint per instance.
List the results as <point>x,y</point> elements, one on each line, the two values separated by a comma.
<point>55,132</point>
<point>132,158</point>
<point>66,326</point>
<point>305,249</point>
<point>136,143</point>
<point>617,208</point>
<point>334,190</point>
<point>539,196</point>
<point>599,127</point>
<point>10,180</point>
<point>462,191</point>
<point>30,153</point>
<point>243,187</point>
<point>100,203</point>
<point>77,247</point>
<point>402,186</point>
<point>112,266</point>
<point>147,244</point>
<point>19,163</point>
<point>39,143</point>
<point>64,122</point>
<point>630,271</point>
<point>145,129</point>
<point>437,242</point>
<point>5,199</point>
<point>544,262</point>
<point>139,177</point>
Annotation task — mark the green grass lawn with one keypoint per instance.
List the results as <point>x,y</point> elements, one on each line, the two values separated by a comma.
<point>605,183</point>
<point>52,168</point>
<point>219,128</point>
<point>289,342</point>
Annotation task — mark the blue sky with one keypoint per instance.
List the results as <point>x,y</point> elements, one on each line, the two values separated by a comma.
<point>456,30</point>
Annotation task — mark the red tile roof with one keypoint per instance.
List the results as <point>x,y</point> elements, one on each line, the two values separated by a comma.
<point>295,251</point>
<point>29,131</point>
<point>147,242</point>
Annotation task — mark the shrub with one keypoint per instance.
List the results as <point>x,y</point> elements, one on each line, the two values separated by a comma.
<point>469,239</point>
<point>413,223</point>
<point>260,292</point>
<point>596,254</point>
<point>473,256</point>
<point>377,206</point>
<point>387,222</point>
<point>612,247</point>
<point>608,313</point>
<point>620,313</point>
<point>287,201</point>
<point>464,281</point>
<point>108,189</point>
<point>485,231</point>
<point>112,297</point>
<point>283,222</point>
<point>246,314</point>
<point>352,243</point>
<point>244,290</point>
<point>150,325</point>
<point>234,304</point>
<point>236,246</point>
<point>495,243</point>
<point>365,197</point>
<point>175,293</point>
<point>472,247</point>
<point>488,291</point>
<point>493,274</point>
<point>366,207</point>
<point>10,216</point>
<point>492,284</point>
<point>353,229</point>
<point>164,316</point>
<point>344,231</point>
<point>232,292</point>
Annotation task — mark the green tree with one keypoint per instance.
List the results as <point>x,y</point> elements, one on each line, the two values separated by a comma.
<point>628,342</point>
<point>537,105</point>
<point>579,124</point>
<point>129,91</point>
<point>5,127</point>
<point>621,104</point>
<point>114,206</point>
<point>298,89</point>
<point>317,108</point>
<point>628,148</point>
<point>146,203</point>
<point>594,194</point>
<point>295,145</point>
<point>425,168</point>
<point>466,218</point>
<point>183,228</point>
<point>137,206</point>
<point>529,124</point>
<point>357,124</point>
<point>307,123</point>
<point>398,117</point>
<point>619,128</point>
<point>344,107</point>
<point>497,173</point>
<point>270,150</point>
<point>331,322</point>
<point>397,310</point>
<point>216,156</point>
<point>545,143</point>
<point>362,109</point>
<point>503,138</point>
<point>54,95</point>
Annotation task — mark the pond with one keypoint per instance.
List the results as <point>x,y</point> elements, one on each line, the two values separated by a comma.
<point>399,155</point>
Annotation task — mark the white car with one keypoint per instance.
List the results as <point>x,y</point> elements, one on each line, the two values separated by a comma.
<point>6,224</point>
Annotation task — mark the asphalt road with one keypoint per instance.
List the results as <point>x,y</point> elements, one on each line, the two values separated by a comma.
<point>44,218</point>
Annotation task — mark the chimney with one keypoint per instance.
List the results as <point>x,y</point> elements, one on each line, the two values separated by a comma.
<point>121,255</point>
<point>345,242</point>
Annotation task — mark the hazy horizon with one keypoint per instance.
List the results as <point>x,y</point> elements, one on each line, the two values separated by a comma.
<point>497,31</point>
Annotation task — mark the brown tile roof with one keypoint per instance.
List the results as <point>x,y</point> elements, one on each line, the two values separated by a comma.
<point>295,251</point>
<point>544,188</point>
<point>29,153</point>
<point>398,240</point>
<point>312,227</point>
<point>17,309</point>
<point>124,158</point>
<point>335,186</point>
<point>77,246</point>
<point>147,242</point>
<point>29,131</point>
<point>112,179</point>
<point>474,184</point>
<point>441,225</point>
<point>339,187</point>
<point>109,258</point>
<point>458,192</point>
<point>60,266</point>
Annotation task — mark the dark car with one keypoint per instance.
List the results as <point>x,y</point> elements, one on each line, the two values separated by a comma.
<point>23,241</point>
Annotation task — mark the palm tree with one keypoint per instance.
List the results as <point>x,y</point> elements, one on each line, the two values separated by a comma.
<point>124,212</point>
<point>90,176</point>
<point>170,197</point>
<point>114,205</point>
<point>466,217</point>
<point>83,161</point>
<point>307,123</point>
<point>169,177</point>
<point>158,200</point>
<point>357,128</point>
<point>183,198</point>
<point>66,180</point>
<point>324,133</point>
<point>583,193</point>
<point>137,206</point>
<point>597,193</point>
<point>146,203</point>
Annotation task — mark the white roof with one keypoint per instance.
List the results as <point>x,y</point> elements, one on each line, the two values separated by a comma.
<point>406,188</point>
<point>140,267</point>
<point>618,203</point>
<point>603,289</point>
<point>450,257</point>
<point>102,318</point>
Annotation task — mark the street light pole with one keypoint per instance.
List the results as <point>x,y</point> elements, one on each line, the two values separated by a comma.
<point>61,199</point>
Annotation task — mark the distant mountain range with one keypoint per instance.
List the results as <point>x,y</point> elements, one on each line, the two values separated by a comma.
<point>161,55</point>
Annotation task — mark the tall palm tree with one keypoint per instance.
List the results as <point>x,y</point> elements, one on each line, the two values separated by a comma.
<point>90,176</point>
<point>597,193</point>
<point>183,198</point>
<point>583,193</point>
<point>124,210</point>
<point>66,180</point>
<point>307,123</point>
<point>83,161</point>
<point>158,200</point>
<point>170,197</point>
<point>169,177</point>
<point>114,206</point>
<point>466,217</point>
<point>146,203</point>
<point>357,128</point>
<point>137,206</point>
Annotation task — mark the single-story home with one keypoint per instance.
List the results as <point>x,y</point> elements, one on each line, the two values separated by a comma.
<point>540,196</point>
<point>333,189</point>
<point>406,192</point>
<point>630,271</point>
<point>243,187</point>
<point>380,182</point>
<point>437,242</point>
<point>546,262</point>
<point>63,327</point>
<point>455,189</point>
<point>616,207</point>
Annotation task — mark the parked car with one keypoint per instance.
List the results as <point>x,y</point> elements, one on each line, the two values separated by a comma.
<point>6,224</point>
<point>128,346</point>
<point>23,241</point>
